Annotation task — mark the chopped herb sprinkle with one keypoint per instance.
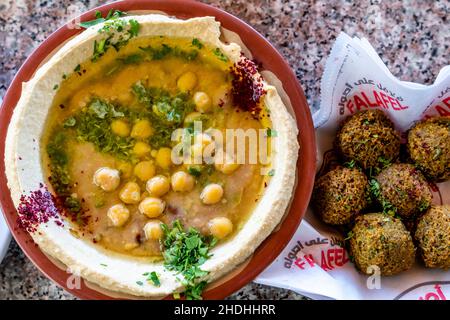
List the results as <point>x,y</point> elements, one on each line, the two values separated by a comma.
<point>197,43</point>
<point>219,54</point>
<point>184,252</point>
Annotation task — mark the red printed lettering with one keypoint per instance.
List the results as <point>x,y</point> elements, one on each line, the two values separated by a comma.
<point>306,260</point>
<point>438,295</point>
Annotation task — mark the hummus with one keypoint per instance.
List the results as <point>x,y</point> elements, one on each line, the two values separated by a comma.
<point>95,129</point>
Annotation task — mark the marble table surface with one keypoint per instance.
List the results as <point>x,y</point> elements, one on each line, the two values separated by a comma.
<point>412,37</point>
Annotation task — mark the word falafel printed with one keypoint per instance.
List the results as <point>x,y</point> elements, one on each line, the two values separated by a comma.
<point>442,108</point>
<point>334,256</point>
<point>378,96</point>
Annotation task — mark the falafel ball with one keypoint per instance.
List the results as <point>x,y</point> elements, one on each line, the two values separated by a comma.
<point>340,195</point>
<point>369,138</point>
<point>404,187</point>
<point>433,237</point>
<point>429,147</point>
<point>381,240</point>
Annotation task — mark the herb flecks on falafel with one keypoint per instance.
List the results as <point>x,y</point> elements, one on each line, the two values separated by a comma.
<point>340,195</point>
<point>382,241</point>
<point>433,237</point>
<point>405,188</point>
<point>369,138</point>
<point>429,147</point>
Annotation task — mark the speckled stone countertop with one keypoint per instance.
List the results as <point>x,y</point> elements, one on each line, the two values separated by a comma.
<point>412,38</point>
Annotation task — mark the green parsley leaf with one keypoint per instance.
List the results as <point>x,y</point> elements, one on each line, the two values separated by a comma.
<point>134,27</point>
<point>132,59</point>
<point>88,24</point>
<point>197,43</point>
<point>271,133</point>
<point>99,19</point>
<point>153,277</point>
<point>69,122</point>
<point>219,54</point>
<point>349,236</point>
<point>350,164</point>
<point>194,171</point>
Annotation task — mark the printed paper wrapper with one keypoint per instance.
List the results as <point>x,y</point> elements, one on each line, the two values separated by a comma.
<point>315,263</point>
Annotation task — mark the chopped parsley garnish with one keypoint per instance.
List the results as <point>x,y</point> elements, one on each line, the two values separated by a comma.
<point>423,205</point>
<point>219,54</point>
<point>132,59</point>
<point>166,112</point>
<point>437,153</point>
<point>117,31</point>
<point>384,162</point>
<point>69,122</point>
<point>197,43</point>
<point>375,191</point>
<point>271,133</point>
<point>349,236</point>
<point>55,87</point>
<point>152,277</point>
<point>99,19</point>
<point>161,52</point>
<point>139,283</point>
<point>176,296</point>
<point>271,173</point>
<point>184,252</point>
<point>350,164</point>
<point>103,264</point>
<point>195,171</point>
<point>94,125</point>
<point>59,168</point>
<point>56,151</point>
<point>77,68</point>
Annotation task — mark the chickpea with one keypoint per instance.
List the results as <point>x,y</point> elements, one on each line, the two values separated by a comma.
<point>212,193</point>
<point>158,186</point>
<point>153,230</point>
<point>228,166</point>
<point>191,117</point>
<point>118,214</point>
<point>187,81</point>
<point>202,102</point>
<point>152,207</point>
<point>141,149</point>
<point>203,139</point>
<point>164,158</point>
<point>120,128</point>
<point>182,182</point>
<point>106,178</point>
<point>125,169</point>
<point>142,129</point>
<point>220,227</point>
<point>144,170</point>
<point>130,193</point>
